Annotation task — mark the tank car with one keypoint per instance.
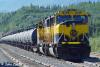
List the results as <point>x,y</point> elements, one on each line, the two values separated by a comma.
<point>26,39</point>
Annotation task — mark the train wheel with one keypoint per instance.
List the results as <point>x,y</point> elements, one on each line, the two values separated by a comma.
<point>35,49</point>
<point>46,50</point>
<point>56,52</point>
<point>38,51</point>
<point>30,48</point>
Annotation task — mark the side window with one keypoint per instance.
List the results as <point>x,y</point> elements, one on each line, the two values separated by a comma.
<point>51,21</point>
<point>78,17</point>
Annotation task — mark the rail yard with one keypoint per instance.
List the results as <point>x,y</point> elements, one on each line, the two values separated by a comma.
<point>56,35</point>
<point>57,41</point>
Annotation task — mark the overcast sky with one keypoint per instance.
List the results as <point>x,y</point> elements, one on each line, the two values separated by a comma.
<point>12,5</point>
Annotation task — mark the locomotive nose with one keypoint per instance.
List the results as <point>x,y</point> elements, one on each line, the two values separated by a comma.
<point>73,33</point>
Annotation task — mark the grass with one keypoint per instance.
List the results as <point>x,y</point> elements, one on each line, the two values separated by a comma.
<point>95,44</point>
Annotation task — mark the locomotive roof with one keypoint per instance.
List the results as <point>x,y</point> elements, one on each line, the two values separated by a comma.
<point>72,12</point>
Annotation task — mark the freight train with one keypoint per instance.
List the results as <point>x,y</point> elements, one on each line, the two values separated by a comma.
<point>62,35</point>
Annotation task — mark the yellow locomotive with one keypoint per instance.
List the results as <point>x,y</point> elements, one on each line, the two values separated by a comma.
<point>65,35</point>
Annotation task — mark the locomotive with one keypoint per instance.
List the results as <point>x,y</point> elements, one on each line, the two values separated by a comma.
<point>62,35</point>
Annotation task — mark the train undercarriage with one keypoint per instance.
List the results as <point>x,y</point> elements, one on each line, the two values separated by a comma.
<point>75,53</point>
<point>66,52</point>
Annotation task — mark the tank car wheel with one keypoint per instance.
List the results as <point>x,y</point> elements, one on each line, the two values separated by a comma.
<point>30,48</point>
<point>27,48</point>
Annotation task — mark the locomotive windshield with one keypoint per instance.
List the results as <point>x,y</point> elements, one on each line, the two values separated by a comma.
<point>67,18</point>
<point>63,18</point>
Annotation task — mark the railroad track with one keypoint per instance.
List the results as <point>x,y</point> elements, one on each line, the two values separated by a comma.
<point>43,60</point>
<point>93,61</point>
<point>5,61</point>
<point>46,61</point>
<point>20,60</point>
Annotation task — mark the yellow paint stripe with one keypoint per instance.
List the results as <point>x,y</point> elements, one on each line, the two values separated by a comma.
<point>71,43</point>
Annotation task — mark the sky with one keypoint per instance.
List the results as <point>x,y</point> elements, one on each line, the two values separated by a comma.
<point>12,5</point>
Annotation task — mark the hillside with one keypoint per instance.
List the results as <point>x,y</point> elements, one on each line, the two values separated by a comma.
<point>24,17</point>
<point>30,15</point>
